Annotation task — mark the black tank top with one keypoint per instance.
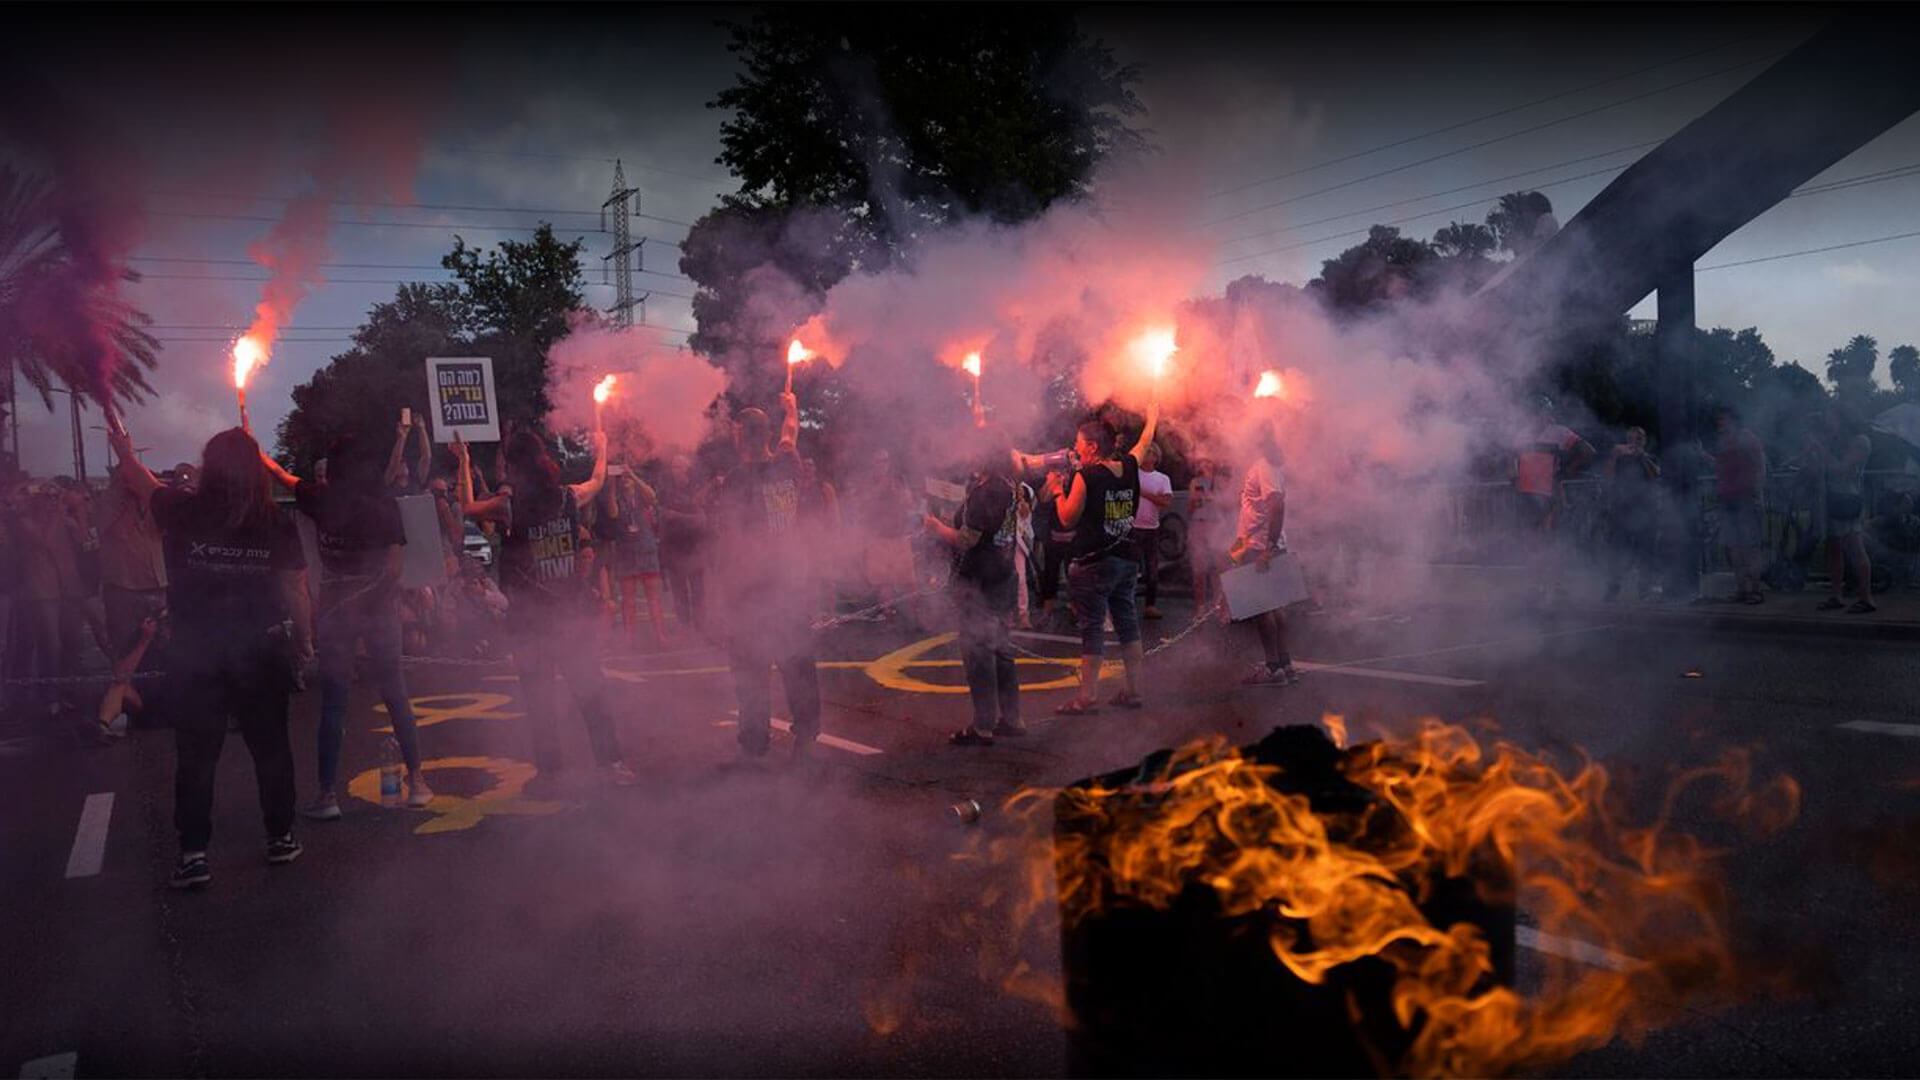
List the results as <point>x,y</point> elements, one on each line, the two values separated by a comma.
<point>539,552</point>
<point>1106,519</point>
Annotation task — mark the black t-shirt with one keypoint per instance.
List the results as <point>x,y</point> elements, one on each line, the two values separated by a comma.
<point>221,581</point>
<point>759,525</point>
<point>540,549</point>
<point>354,530</point>
<point>1106,520</point>
<point>988,510</point>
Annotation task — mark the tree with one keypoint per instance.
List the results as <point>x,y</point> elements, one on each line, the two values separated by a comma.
<point>61,318</point>
<point>1386,267</point>
<point>1465,240</point>
<point>512,305</point>
<point>852,136</point>
<point>1853,361</point>
<point>1521,220</point>
<point>1903,367</point>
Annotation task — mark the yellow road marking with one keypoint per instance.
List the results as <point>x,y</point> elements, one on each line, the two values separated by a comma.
<point>439,708</point>
<point>448,813</point>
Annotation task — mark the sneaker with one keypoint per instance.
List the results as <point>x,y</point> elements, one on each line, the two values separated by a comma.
<point>970,737</point>
<point>283,849</point>
<point>324,808</point>
<point>1292,673</point>
<point>191,872</point>
<point>1262,675</point>
<point>418,793</point>
<point>618,775</point>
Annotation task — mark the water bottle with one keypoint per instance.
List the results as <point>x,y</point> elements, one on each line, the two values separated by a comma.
<point>389,772</point>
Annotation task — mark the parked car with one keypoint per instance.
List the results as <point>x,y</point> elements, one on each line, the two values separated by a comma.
<point>474,543</point>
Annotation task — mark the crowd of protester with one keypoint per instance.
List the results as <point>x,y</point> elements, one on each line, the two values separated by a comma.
<point>202,572</point>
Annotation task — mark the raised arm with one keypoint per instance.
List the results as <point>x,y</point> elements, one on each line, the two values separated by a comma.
<point>1070,506</point>
<point>1147,432</point>
<point>127,465</point>
<point>492,508</point>
<point>584,491</point>
<point>789,422</point>
<point>278,473</point>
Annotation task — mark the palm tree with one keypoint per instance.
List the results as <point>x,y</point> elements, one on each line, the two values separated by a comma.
<point>58,319</point>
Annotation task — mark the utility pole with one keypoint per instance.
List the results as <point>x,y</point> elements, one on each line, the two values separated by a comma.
<point>623,249</point>
<point>79,440</point>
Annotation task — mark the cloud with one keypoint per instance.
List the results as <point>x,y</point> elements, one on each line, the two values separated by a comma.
<point>1856,273</point>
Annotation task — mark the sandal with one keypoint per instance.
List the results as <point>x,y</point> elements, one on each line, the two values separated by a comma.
<point>969,737</point>
<point>1078,708</point>
<point>1830,604</point>
<point>1126,701</point>
<point>1861,607</point>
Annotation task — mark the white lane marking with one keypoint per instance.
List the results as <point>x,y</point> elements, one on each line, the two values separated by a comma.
<point>824,739</point>
<point>1911,731</point>
<point>51,1067</point>
<point>1035,635</point>
<point>90,839</point>
<point>1383,673</point>
<point>1529,938</point>
<point>1476,645</point>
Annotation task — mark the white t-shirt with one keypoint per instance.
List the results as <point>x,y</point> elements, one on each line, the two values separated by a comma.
<point>1151,483</point>
<point>1265,479</point>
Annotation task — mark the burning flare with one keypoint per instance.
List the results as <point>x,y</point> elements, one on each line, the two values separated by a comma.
<point>1270,385</point>
<point>972,364</point>
<point>247,355</point>
<point>1155,348</point>
<point>602,390</point>
<point>798,353</point>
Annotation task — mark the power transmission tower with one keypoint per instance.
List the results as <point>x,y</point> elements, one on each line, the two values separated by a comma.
<point>623,249</point>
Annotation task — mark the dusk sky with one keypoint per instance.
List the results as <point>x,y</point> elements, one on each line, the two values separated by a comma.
<point>1291,133</point>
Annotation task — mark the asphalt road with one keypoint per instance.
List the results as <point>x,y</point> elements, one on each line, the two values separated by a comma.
<point>814,919</point>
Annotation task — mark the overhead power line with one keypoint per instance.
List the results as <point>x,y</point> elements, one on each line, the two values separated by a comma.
<point>349,223</point>
<point>332,265</point>
<point>367,281</point>
<point>413,205</point>
<point>1482,144</point>
<point>1808,251</point>
<point>1478,119</point>
<point>1899,173</point>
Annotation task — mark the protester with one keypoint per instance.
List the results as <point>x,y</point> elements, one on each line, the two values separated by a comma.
<point>1261,535</point>
<point>546,566</point>
<point>1632,476</point>
<point>237,603</point>
<point>1841,449</point>
<point>1101,569</point>
<point>763,561</point>
<point>1739,471</point>
<point>133,572</point>
<point>359,537</point>
<point>1547,452</point>
<point>1023,553</point>
<point>683,542</point>
<point>1055,541</point>
<point>984,535</point>
<point>886,517</point>
<point>1203,540</point>
<point>626,522</point>
<point>1156,496</point>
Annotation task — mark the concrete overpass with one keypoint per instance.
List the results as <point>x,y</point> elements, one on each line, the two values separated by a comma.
<point>1836,92</point>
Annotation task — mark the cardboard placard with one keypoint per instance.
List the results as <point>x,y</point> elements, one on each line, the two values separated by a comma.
<point>421,562</point>
<point>1250,592</point>
<point>460,394</point>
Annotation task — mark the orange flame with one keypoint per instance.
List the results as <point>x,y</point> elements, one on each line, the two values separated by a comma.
<point>972,364</point>
<point>247,355</point>
<point>1643,899</point>
<point>602,390</point>
<point>1270,385</point>
<point>798,353</point>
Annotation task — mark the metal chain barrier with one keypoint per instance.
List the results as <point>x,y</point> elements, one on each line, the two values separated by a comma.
<point>1199,619</point>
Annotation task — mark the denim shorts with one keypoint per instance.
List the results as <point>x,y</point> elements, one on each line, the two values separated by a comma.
<point>1742,523</point>
<point>1097,587</point>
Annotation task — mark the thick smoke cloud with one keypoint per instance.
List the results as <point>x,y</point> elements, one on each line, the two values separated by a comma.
<point>665,390</point>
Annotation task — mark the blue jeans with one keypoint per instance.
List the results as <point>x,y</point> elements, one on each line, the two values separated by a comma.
<point>339,629</point>
<point>1095,588</point>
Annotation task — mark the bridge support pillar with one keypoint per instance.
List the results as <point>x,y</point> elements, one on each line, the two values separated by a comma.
<point>1673,352</point>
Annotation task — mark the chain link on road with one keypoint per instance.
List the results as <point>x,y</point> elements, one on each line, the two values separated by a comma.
<point>1199,619</point>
